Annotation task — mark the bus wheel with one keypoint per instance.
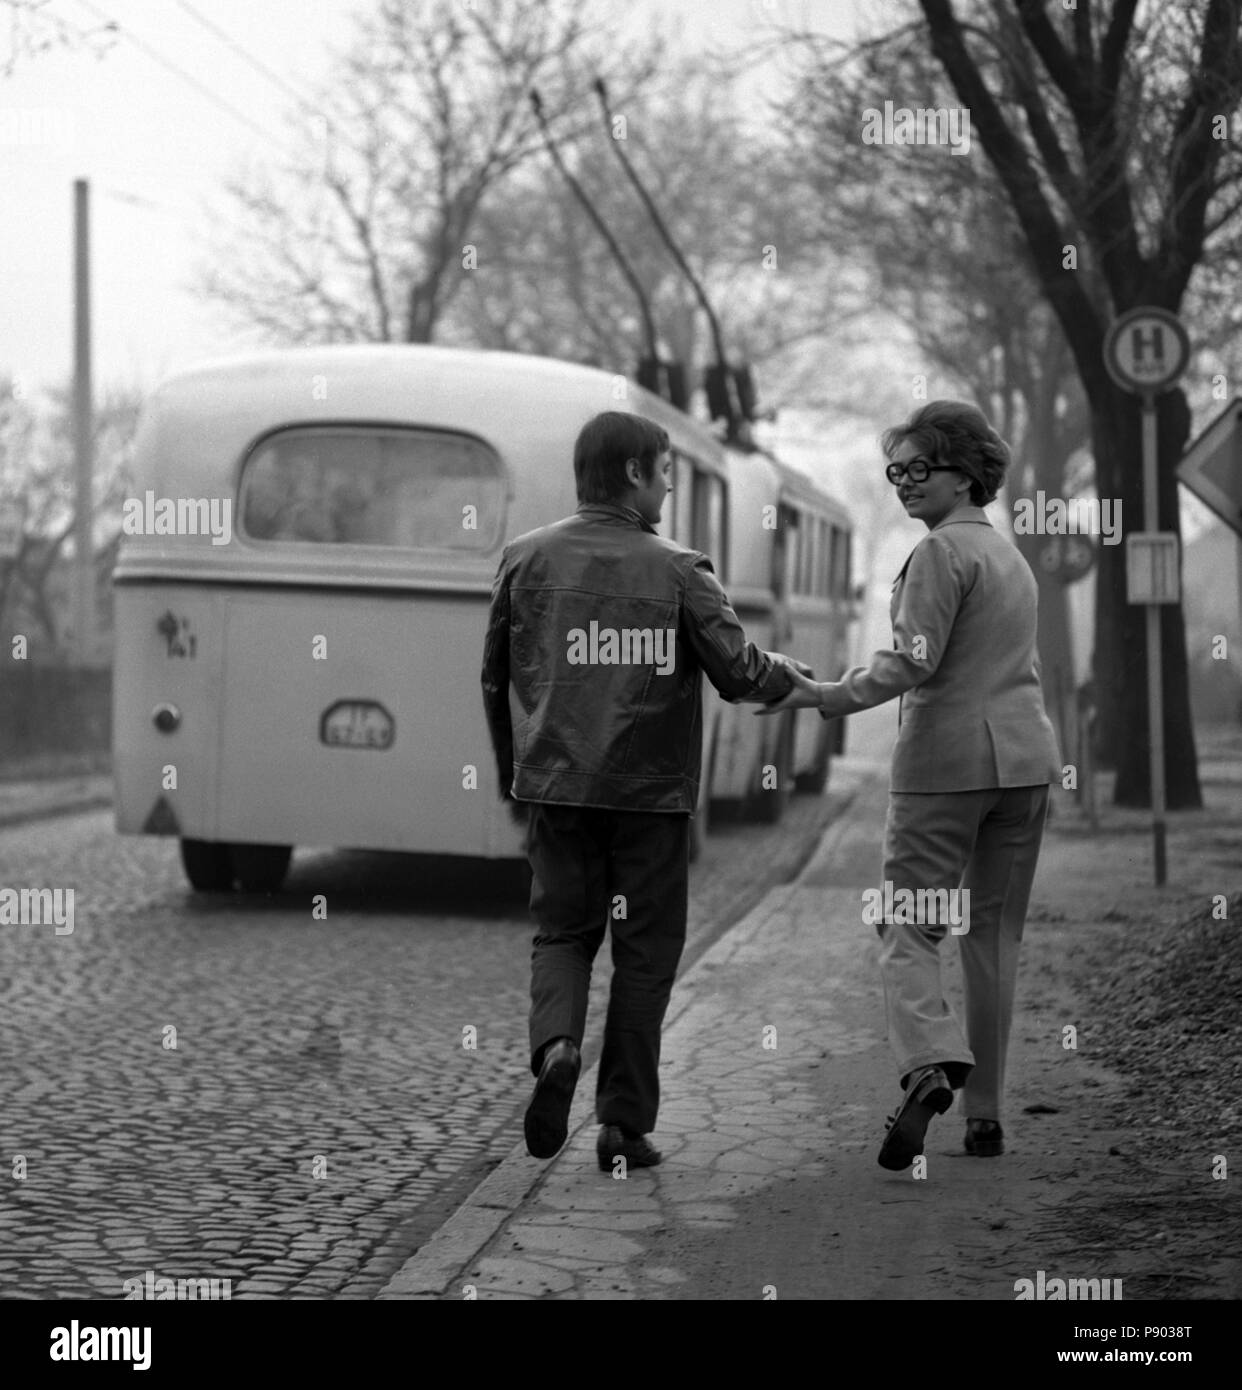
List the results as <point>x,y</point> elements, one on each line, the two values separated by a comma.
<point>767,805</point>
<point>207,865</point>
<point>700,822</point>
<point>816,779</point>
<point>520,879</point>
<point>260,868</point>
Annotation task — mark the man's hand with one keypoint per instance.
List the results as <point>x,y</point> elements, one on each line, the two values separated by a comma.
<point>792,665</point>
<point>804,695</point>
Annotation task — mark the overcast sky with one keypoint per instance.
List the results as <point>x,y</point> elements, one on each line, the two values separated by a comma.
<point>156,149</point>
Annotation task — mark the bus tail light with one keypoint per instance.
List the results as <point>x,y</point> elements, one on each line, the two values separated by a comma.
<point>166,718</point>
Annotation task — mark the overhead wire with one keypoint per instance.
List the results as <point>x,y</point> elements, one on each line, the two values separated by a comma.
<point>178,71</point>
<point>244,53</point>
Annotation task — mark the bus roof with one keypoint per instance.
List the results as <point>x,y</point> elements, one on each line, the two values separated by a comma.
<point>241,397</point>
<point>794,483</point>
<point>201,422</point>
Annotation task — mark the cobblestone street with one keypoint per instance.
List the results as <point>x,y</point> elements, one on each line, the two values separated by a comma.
<point>326,1104</point>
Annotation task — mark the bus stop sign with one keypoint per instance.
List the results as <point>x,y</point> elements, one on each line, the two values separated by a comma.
<point>1146,350</point>
<point>1152,574</point>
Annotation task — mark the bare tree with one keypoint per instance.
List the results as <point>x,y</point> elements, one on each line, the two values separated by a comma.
<point>367,235</point>
<point>16,445</point>
<point>960,283</point>
<point>548,283</point>
<point>36,464</point>
<point>31,28</point>
<point>1106,125</point>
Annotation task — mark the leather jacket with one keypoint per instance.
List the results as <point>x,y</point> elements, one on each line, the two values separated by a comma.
<point>603,628</point>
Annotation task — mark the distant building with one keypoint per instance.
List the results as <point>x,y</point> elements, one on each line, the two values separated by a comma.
<point>1211,585</point>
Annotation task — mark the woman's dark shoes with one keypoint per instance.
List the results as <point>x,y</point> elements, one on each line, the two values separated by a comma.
<point>547,1115</point>
<point>984,1138</point>
<point>928,1094</point>
<point>636,1149</point>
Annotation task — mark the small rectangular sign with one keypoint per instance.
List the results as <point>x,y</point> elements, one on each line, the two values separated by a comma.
<point>357,724</point>
<point>1152,567</point>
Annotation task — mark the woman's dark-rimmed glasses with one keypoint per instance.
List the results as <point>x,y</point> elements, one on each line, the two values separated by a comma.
<point>917,470</point>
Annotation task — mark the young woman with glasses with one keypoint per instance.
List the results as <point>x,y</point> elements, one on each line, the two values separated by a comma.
<point>975,753</point>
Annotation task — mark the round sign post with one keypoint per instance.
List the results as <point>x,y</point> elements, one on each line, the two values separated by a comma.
<point>1145,352</point>
<point>1067,558</point>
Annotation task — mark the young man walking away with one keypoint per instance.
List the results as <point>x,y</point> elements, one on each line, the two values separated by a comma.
<point>603,629</point>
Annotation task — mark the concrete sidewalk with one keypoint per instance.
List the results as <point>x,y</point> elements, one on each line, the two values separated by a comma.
<point>776,1081</point>
<point>42,798</point>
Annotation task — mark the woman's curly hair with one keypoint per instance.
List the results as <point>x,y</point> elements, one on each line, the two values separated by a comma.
<point>958,434</point>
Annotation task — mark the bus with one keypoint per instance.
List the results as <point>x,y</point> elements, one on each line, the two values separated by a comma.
<point>302,589</point>
<point>789,579</point>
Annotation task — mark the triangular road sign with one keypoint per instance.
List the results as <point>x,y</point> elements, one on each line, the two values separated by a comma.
<point>1212,466</point>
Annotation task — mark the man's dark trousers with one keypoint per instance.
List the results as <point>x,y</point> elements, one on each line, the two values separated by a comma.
<point>592,869</point>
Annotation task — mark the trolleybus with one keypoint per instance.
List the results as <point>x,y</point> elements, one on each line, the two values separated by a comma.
<point>311,678</point>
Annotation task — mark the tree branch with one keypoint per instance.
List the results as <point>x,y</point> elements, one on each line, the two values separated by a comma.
<point>1078,317</point>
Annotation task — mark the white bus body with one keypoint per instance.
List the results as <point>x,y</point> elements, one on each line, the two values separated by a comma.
<point>314,680</point>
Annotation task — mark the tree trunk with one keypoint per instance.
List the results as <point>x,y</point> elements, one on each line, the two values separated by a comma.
<point>1056,658</point>
<point>422,312</point>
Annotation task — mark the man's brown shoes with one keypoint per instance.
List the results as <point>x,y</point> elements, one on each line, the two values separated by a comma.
<point>547,1115</point>
<point>984,1138</point>
<point>636,1149</point>
<point>927,1094</point>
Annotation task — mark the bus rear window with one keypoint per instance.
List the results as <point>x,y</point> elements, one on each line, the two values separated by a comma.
<point>350,485</point>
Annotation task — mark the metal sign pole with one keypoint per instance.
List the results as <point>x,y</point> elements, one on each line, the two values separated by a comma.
<point>83,428</point>
<point>1146,350</point>
<point>1155,690</point>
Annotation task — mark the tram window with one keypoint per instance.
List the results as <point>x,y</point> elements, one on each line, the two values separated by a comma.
<point>664,527</point>
<point>840,561</point>
<point>806,553</point>
<point>378,487</point>
<point>683,500</point>
<point>782,551</point>
<point>708,534</point>
<point>793,552</point>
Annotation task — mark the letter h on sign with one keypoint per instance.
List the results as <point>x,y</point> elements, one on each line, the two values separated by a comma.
<point>1140,341</point>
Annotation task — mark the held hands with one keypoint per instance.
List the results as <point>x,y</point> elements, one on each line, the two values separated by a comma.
<point>804,693</point>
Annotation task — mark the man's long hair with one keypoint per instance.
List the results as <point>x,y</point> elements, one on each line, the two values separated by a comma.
<point>605,444</point>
